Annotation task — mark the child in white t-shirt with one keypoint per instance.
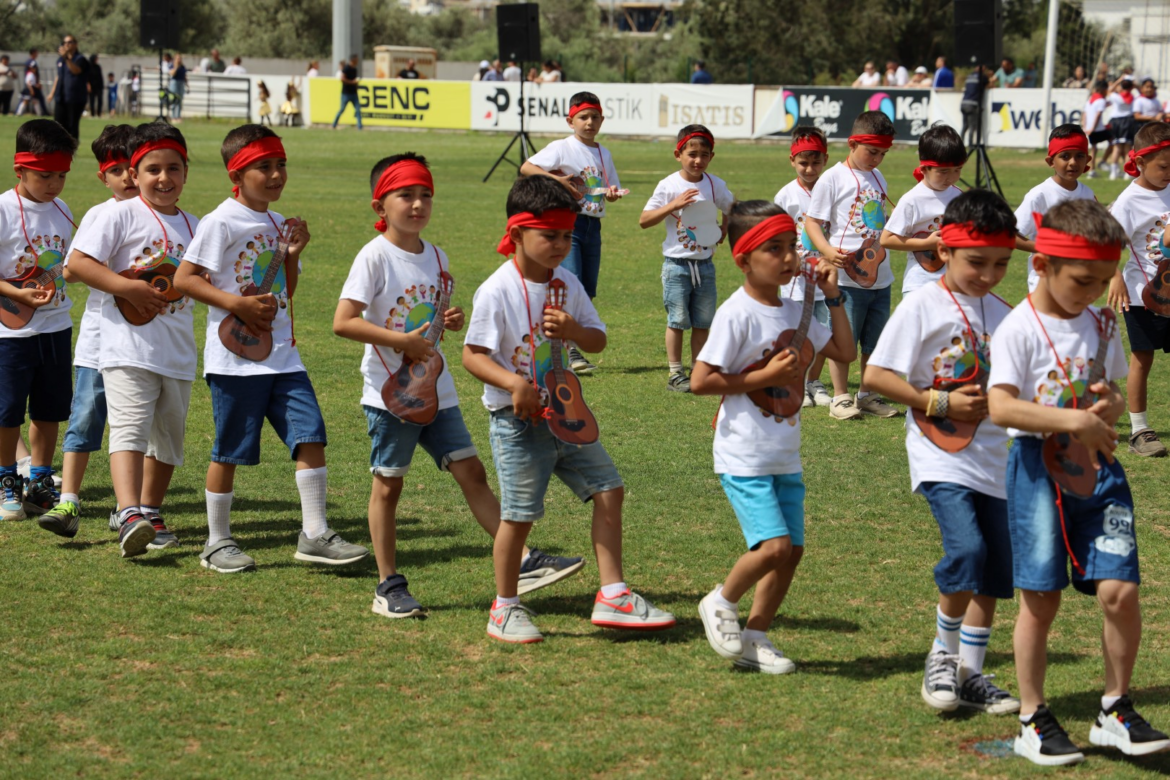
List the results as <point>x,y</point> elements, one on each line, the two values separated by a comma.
<point>1146,108</point>
<point>1143,209</point>
<point>1121,122</point>
<point>757,453</point>
<point>1047,377</point>
<point>851,200</point>
<point>688,272</point>
<point>808,155</point>
<point>934,357</point>
<point>1093,123</point>
<point>941,156</point>
<point>1068,157</point>
<point>147,368</point>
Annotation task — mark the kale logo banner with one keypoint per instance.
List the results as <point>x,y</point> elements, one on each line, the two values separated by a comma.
<point>833,109</point>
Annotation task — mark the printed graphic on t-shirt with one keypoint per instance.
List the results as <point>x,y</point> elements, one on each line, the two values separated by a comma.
<point>522,361</point>
<point>156,256</point>
<point>251,267</point>
<point>804,246</point>
<point>1155,249</point>
<point>1053,390</point>
<point>591,181</point>
<point>413,309</point>
<point>958,360</point>
<point>46,251</point>
<point>869,214</point>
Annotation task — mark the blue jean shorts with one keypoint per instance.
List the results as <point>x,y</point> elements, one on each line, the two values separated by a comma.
<point>36,374</point>
<point>768,507</point>
<point>1100,528</point>
<point>87,419</point>
<point>977,547</point>
<point>821,314</point>
<point>240,404</point>
<point>527,455</point>
<point>868,312</point>
<point>393,441</point>
<point>688,305</point>
<point>584,258</point>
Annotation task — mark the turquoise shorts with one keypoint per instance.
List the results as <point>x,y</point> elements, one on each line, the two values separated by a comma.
<point>768,507</point>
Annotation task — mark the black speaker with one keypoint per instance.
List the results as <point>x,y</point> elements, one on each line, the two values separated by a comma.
<point>518,30</point>
<point>159,26</point>
<point>978,32</point>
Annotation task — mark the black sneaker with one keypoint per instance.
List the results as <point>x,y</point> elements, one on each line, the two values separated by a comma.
<point>1043,741</point>
<point>135,535</point>
<point>978,692</point>
<point>679,382</point>
<point>393,600</point>
<point>579,363</point>
<point>40,496</point>
<point>1123,728</point>
<point>542,569</point>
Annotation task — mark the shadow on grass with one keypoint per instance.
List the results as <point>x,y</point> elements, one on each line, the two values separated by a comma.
<point>836,625</point>
<point>876,667</point>
<point>1089,701</point>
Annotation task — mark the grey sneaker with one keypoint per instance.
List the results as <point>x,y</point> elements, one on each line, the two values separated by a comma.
<point>61,519</point>
<point>722,627</point>
<point>393,600</point>
<point>940,684</point>
<point>12,491</point>
<point>163,537</point>
<point>513,623</point>
<point>629,610</point>
<point>542,569</point>
<point>843,408</point>
<point>873,404</point>
<point>578,363</point>
<point>225,556</point>
<point>329,548</point>
<point>1145,443</point>
<point>135,535</point>
<point>115,524</point>
<point>808,401</point>
<point>820,396</point>
<point>760,655</point>
<point>978,692</point>
<point>679,382</point>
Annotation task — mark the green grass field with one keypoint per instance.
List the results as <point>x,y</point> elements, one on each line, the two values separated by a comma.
<point>157,667</point>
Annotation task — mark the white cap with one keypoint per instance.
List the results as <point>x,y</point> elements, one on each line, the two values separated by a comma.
<point>484,64</point>
<point>921,69</point>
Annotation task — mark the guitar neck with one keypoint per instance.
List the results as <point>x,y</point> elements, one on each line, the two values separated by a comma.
<point>275,264</point>
<point>806,314</point>
<point>1098,372</point>
<point>50,275</point>
<point>435,332</point>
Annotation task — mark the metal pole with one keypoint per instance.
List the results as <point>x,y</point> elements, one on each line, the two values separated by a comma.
<point>1049,67</point>
<point>347,31</point>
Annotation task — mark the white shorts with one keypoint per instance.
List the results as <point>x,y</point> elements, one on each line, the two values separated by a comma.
<point>147,412</point>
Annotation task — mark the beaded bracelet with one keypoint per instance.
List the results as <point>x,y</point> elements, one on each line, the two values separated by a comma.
<point>944,403</point>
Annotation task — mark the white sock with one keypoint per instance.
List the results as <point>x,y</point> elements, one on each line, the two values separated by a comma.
<point>862,394</point>
<point>506,601</point>
<point>675,368</point>
<point>311,484</point>
<point>721,600</point>
<point>613,590</point>
<point>125,512</point>
<point>972,650</point>
<point>1026,718</point>
<point>219,514</point>
<point>149,510</point>
<point>751,635</point>
<point>844,397</point>
<point>947,633</point>
<point>71,497</point>
<point>1108,701</point>
<point>1137,421</point>
<point>524,560</point>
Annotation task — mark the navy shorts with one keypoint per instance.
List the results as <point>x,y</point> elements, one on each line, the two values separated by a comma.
<point>977,548</point>
<point>1147,331</point>
<point>36,374</point>
<point>240,404</point>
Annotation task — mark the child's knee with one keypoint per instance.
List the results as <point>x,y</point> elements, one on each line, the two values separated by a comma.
<point>1143,358</point>
<point>386,489</point>
<point>610,499</point>
<point>467,472</point>
<point>1118,599</point>
<point>777,551</point>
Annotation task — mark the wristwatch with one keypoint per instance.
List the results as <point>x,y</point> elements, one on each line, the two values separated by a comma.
<point>834,302</point>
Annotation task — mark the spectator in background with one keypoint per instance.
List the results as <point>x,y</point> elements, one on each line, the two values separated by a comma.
<point>533,75</point>
<point>7,85</point>
<point>96,86</point>
<point>549,74</point>
<point>896,75</point>
<point>235,69</point>
<point>37,93</point>
<point>31,90</point>
<point>409,72</point>
<point>111,87</point>
<point>71,89</point>
<point>944,77</point>
<point>177,86</point>
<point>512,72</point>
<point>974,89</point>
<point>212,64</point>
<point>869,77</point>
<point>1078,80</point>
<point>484,67</point>
<point>314,70</point>
<point>920,79</point>
<point>1031,76</point>
<point>700,74</point>
<point>494,73</point>
<point>1008,75</point>
<point>349,91</point>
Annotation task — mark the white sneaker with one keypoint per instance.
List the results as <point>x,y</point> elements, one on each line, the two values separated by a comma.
<point>1092,174</point>
<point>808,401</point>
<point>1114,172</point>
<point>722,627</point>
<point>762,656</point>
<point>940,683</point>
<point>843,408</point>
<point>873,404</point>
<point>819,394</point>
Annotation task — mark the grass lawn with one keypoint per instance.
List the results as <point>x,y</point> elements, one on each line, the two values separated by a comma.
<point>157,667</point>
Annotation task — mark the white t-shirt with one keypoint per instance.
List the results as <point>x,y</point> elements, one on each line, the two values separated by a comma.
<point>128,235</point>
<point>854,203</point>
<point>1146,106</point>
<point>592,164</point>
<point>500,323</point>
<point>400,290</point>
<point>900,76</point>
<point>749,442</point>
<point>920,211</point>
<point>1144,214</point>
<point>1022,358</point>
<point>234,70</point>
<point>869,79</point>
<point>1094,121</point>
<point>512,73</point>
<point>86,351</point>
<point>40,240</point>
<point>927,338</point>
<point>1120,107</point>
<point>1040,199</point>
<point>680,239</point>
<point>795,200</point>
<point>236,244</point>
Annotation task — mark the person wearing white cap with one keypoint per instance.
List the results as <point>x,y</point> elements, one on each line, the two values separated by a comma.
<point>484,67</point>
<point>921,78</point>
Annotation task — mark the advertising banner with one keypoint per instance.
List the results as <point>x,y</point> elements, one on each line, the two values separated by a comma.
<point>1014,116</point>
<point>833,109</point>
<point>725,109</point>
<point>495,105</point>
<point>395,103</point>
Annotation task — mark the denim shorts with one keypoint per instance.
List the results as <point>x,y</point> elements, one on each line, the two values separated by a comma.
<point>977,547</point>
<point>393,441</point>
<point>584,258</point>
<point>239,405</point>
<point>687,305</point>
<point>87,419</point>
<point>527,455</point>
<point>1147,331</point>
<point>1100,528</point>
<point>868,312</point>
<point>36,373</point>
<point>821,314</point>
<point>768,507</point>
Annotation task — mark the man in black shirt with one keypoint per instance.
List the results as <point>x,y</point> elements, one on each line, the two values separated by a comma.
<point>71,89</point>
<point>974,89</point>
<point>349,91</point>
<point>409,72</point>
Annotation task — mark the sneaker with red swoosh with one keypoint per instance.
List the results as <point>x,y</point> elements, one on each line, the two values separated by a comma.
<point>631,611</point>
<point>512,623</point>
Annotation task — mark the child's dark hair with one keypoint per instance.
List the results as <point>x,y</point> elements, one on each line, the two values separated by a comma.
<point>114,141</point>
<point>1067,130</point>
<point>584,97</point>
<point>1151,134</point>
<point>44,136</point>
<point>240,137</point>
<point>538,194</point>
<point>1085,218</point>
<point>746,214</point>
<point>872,123</point>
<point>986,211</point>
<point>942,144</point>
<point>156,131</point>
<point>381,166</point>
<point>1101,87</point>
<point>808,131</point>
<point>695,129</point>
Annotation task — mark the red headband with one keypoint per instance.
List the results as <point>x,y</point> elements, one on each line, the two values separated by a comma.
<point>155,146</point>
<point>1077,142</point>
<point>809,143</point>
<point>553,219</point>
<point>52,161</point>
<point>710,139</point>
<point>918,174</point>
<point>1054,243</point>
<point>1131,165</point>
<point>879,141</point>
<point>256,151</point>
<point>769,228</point>
<point>964,235</point>
<point>577,109</point>
<point>399,176</point>
<point>112,160</point>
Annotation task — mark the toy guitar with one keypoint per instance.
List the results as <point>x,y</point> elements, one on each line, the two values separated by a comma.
<point>234,334</point>
<point>411,394</point>
<point>15,315</point>
<point>785,400</point>
<point>160,276</point>
<point>1066,459</point>
<point>605,191</point>
<point>569,419</point>
<point>927,258</point>
<point>862,265</point>
<point>1156,293</point>
<point>946,433</point>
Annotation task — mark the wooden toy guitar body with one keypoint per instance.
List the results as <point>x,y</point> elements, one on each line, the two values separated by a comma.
<point>569,418</point>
